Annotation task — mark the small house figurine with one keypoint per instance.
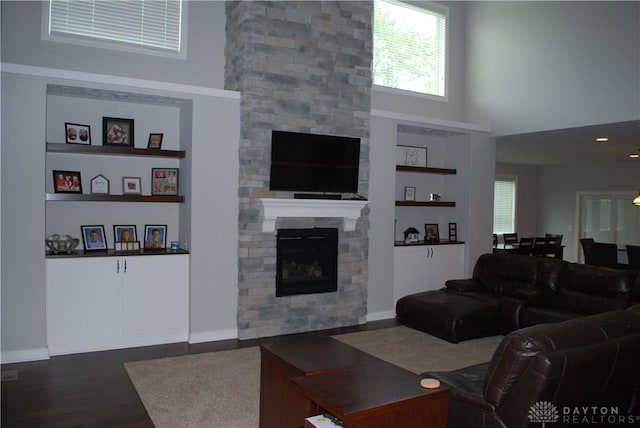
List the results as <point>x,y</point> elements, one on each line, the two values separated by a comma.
<point>411,235</point>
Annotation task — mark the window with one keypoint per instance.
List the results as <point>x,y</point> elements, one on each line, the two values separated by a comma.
<point>504,205</point>
<point>129,25</point>
<point>409,46</point>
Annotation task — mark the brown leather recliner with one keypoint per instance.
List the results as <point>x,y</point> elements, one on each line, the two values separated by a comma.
<point>559,372</point>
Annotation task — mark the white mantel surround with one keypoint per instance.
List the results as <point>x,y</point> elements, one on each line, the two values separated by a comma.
<point>273,208</point>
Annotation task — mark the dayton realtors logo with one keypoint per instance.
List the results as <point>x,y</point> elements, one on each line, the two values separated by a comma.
<point>545,412</point>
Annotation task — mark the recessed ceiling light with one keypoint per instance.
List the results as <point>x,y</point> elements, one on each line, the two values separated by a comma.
<point>602,139</point>
<point>634,155</point>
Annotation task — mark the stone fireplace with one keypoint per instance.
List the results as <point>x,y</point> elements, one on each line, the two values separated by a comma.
<point>301,66</point>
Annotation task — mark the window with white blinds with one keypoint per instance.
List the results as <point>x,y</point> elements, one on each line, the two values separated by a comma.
<point>504,205</point>
<point>149,24</point>
<point>409,47</point>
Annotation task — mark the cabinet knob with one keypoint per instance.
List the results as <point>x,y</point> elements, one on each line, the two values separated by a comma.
<point>117,266</point>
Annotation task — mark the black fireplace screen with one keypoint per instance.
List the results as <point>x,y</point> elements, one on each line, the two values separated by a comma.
<point>307,261</point>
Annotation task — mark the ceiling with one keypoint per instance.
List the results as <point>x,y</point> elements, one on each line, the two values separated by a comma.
<point>571,145</point>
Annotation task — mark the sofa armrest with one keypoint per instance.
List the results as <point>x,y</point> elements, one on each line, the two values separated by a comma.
<point>463,285</point>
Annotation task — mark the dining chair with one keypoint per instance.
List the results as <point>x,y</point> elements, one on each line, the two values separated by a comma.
<point>510,239</point>
<point>525,245</point>
<point>495,242</point>
<point>554,245</point>
<point>539,246</point>
<point>605,254</point>
<point>633,254</point>
<point>587,250</point>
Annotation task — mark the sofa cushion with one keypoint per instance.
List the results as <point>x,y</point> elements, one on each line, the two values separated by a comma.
<point>590,289</point>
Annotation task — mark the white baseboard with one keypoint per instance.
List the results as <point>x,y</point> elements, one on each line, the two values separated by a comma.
<point>378,316</point>
<point>212,336</point>
<point>24,355</point>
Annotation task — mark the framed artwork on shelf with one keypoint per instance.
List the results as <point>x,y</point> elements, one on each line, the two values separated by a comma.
<point>100,184</point>
<point>164,181</point>
<point>453,231</point>
<point>131,186</point>
<point>117,132</point>
<point>409,193</point>
<point>155,236</point>
<point>77,134</point>
<point>431,232</point>
<point>155,141</point>
<point>67,181</point>
<point>435,196</point>
<point>93,238</point>
<point>124,233</point>
<point>411,156</point>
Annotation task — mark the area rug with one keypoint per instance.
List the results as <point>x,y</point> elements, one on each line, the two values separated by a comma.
<point>221,389</point>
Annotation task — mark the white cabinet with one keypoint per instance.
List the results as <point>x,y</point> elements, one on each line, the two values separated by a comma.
<point>97,303</point>
<point>425,267</point>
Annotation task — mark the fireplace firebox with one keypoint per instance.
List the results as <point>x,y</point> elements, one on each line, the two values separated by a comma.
<point>307,261</point>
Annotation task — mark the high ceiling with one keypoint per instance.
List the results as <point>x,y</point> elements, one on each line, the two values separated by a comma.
<point>572,145</point>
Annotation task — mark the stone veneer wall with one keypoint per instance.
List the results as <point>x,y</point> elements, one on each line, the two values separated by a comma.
<point>302,66</point>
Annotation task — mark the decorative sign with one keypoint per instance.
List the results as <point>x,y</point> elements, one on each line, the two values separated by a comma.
<point>411,156</point>
<point>100,184</point>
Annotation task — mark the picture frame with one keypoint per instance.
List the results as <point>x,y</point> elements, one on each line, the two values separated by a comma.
<point>75,133</point>
<point>155,236</point>
<point>409,193</point>
<point>431,232</point>
<point>67,181</point>
<point>453,231</point>
<point>155,141</point>
<point>93,238</point>
<point>164,181</point>
<point>131,185</point>
<point>435,197</point>
<point>124,233</point>
<point>411,156</point>
<point>100,185</point>
<point>117,132</point>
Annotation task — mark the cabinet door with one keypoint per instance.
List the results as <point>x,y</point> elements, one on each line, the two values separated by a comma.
<point>83,304</point>
<point>444,262</point>
<point>156,298</point>
<point>409,274</point>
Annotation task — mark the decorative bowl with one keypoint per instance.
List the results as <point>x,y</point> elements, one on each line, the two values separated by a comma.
<point>61,243</point>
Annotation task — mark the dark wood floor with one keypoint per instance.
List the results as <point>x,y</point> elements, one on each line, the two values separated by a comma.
<point>94,390</point>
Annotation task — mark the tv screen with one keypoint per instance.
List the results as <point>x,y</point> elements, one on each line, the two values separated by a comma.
<point>314,163</point>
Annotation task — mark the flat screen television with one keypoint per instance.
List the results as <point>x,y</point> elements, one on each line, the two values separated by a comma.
<point>314,163</point>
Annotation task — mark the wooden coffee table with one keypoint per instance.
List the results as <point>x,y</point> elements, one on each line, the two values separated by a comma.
<point>303,377</point>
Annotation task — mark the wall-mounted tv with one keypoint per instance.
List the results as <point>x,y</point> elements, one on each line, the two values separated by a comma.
<point>314,163</point>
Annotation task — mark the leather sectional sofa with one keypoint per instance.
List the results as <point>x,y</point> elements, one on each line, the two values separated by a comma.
<point>511,291</point>
<point>576,373</point>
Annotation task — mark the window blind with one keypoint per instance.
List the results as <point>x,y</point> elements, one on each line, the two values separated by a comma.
<point>154,24</point>
<point>504,206</point>
<point>409,47</point>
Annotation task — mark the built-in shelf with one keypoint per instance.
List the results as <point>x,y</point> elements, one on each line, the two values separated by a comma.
<point>112,150</point>
<point>113,198</point>
<point>425,204</point>
<point>426,170</point>
<point>279,207</point>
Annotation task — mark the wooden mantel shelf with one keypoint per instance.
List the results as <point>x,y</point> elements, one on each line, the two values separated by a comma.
<point>273,208</point>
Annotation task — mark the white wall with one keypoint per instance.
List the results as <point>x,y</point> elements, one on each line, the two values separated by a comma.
<point>538,65</point>
<point>204,66</point>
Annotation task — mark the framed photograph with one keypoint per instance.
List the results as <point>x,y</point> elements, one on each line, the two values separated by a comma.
<point>93,238</point>
<point>431,232</point>
<point>77,134</point>
<point>100,184</point>
<point>155,141</point>
<point>411,156</point>
<point>124,233</point>
<point>67,181</point>
<point>409,193</point>
<point>131,185</point>
<point>453,231</point>
<point>117,132</point>
<point>435,196</point>
<point>164,181</point>
<point>155,236</point>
